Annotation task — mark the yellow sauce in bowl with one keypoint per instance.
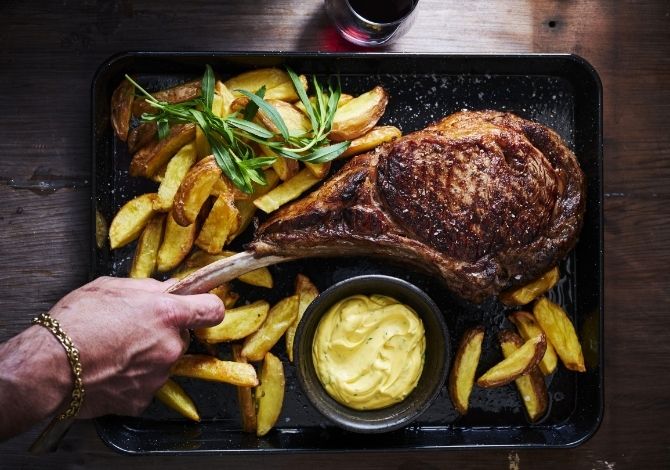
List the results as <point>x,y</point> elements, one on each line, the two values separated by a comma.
<point>368,351</point>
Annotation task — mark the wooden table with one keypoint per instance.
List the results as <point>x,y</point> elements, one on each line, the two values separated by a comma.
<point>49,52</point>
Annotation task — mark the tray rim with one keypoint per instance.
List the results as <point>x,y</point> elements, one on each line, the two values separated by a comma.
<point>568,57</point>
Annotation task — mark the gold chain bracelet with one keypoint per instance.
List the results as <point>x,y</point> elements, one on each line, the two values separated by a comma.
<point>72,352</point>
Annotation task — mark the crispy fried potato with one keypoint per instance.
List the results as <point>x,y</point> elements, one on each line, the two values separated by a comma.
<point>517,364</point>
<point>279,318</point>
<point>141,135</point>
<point>237,323</point>
<point>359,115</point>
<point>122,105</point>
<point>177,242</point>
<point>296,122</point>
<point>130,220</point>
<point>246,208</point>
<point>227,98</point>
<point>245,398</point>
<point>199,366</point>
<point>173,396</point>
<point>222,220</point>
<point>150,158</point>
<point>224,186</point>
<point>225,293</point>
<point>253,80</point>
<point>176,170</point>
<point>526,294</point>
<point>194,190</point>
<point>286,191</point>
<point>260,277</point>
<point>159,175</point>
<point>306,292</point>
<point>528,328</point>
<point>269,394</point>
<point>177,94</point>
<point>286,168</point>
<point>285,91</point>
<point>561,333</point>
<point>376,136</point>
<point>319,170</point>
<point>344,99</point>
<point>202,147</point>
<point>462,375</point>
<point>101,230</point>
<point>144,261</point>
<point>531,386</point>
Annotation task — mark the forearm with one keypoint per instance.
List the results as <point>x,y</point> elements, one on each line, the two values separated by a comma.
<point>35,379</point>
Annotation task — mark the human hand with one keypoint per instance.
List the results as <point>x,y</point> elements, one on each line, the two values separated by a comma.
<point>129,332</point>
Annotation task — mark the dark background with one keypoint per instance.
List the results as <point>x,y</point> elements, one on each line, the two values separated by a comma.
<point>49,52</point>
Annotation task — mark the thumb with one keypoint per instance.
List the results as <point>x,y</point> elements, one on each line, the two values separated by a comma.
<point>197,311</point>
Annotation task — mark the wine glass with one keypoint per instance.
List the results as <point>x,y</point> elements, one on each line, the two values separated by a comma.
<point>371,23</point>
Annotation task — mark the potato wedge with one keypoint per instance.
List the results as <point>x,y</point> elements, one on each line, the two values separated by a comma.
<point>144,261</point>
<point>260,277</point>
<point>560,332</point>
<point>159,175</point>
<point>306,292</point>
<point>269,394</point>
<point>224,187</point>
<point>359,115</point>
<point>245,398</point>
<point>177,242</point>
<point>128,223</point>
<point>319,170</point>
<point>517,364</point>
<point>287,191</point>
<point>202,146</point>
<point>531,386</point>
<point>246,208</point>
<point>279,318</point>
<point>141,135</point>
<point>194,190</point>
<point>462,375</point>
<point>150,158</point>
<point>173,396</point>
<point>177,94</point>
<point>225,293</point>
<point>101,230</point>
<point>238,323</point>
<point>285,91</point>
<point>376,136</point>
<point>222,220</point>
<point>296,122</point>
<point>526,294</point>
<point>253,80</point>
<point>199,366</point>
<point>227,98</point>
<point>122,105</point>
<point>344,99</point>
<point>176,170</point>
<point>286,168</point>
<point>528,328</point>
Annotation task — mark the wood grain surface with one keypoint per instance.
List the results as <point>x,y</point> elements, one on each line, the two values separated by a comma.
<point>49,52</point>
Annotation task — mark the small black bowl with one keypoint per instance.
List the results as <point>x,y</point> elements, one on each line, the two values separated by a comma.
<point>433,376</point>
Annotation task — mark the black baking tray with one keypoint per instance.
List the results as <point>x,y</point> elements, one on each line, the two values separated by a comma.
<point>561,91</point>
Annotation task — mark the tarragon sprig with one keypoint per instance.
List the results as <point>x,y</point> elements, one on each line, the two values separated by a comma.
<point>230,137</point>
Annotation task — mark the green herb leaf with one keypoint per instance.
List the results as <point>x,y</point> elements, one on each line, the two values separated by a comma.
<point>251,109</point>
<point>326,154</point>
<point>250,127</point>
<point>259,162</point>
<point>207,87</point>
<point>271,113</point>
<point>304,99</point>
<point>163,128</point>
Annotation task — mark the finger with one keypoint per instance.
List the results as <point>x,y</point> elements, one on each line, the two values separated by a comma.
<point>148,284</point>
<point>186,340</point>
<point>197,311</point>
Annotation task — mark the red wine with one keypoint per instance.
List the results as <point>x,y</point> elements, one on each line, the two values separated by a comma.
<point>383,11</point>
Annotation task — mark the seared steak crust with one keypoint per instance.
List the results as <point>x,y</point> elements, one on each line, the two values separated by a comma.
<point>484,200</point>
